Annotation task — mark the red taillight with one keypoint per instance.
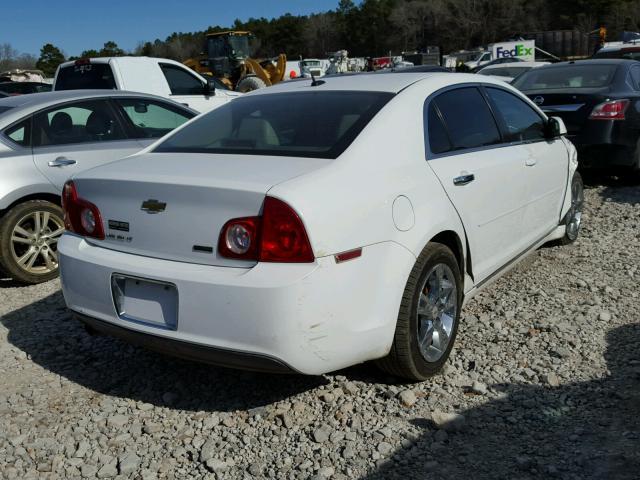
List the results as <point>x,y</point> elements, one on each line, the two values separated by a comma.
<point>612,110</point>
<point>284,238</point>
<point>82,61</point>
<point>80,216</point>
<point>277,236</point>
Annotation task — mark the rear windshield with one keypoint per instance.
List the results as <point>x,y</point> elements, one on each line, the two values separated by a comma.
<point>86,76</point>
<point>632,53</point>
<point>569,76</point>
<point>309,124</point>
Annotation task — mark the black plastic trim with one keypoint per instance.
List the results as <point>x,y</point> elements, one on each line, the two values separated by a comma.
<point>190,351</point>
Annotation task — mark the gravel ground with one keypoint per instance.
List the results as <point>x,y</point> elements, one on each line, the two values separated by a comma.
<point>544,382</point>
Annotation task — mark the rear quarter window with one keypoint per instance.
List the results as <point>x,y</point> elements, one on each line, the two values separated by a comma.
<point>86,77</point>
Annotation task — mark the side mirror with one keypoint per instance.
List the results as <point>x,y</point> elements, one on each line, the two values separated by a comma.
<point>209,87</point>
<point>556,127</point>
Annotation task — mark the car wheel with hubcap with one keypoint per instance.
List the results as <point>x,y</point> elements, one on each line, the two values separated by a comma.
<point>29,235</point>
<point>428,318</point>
<point>573,218</point>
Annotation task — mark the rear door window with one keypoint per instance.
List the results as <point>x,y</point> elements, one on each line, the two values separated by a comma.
<point>88,121</point>
<point>84,76</point>
<point>181,81</point>
<point>468,119</point>
<point>523,123</point>
<point>151,119</point>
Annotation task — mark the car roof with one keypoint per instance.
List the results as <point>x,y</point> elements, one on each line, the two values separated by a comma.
<point>392,82</point>
<point>594,61</point>
<point>520,64</point>
<point>620,46</point>
<point>22,105</point>
<point>122,59</point>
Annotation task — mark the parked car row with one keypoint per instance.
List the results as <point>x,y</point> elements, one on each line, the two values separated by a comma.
<point>232,238</point>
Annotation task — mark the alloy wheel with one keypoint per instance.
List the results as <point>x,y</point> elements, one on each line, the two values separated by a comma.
<point>574,217</point>
<point>34,242</point>
<point>437,312</point>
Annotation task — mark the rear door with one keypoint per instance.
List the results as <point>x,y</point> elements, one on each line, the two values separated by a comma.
<point>76,136</point>
<point>484,178</point>
<point>546,160</point>
<point>189,90</point>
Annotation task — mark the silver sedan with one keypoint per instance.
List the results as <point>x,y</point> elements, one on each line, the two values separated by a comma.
<point>47,137</point>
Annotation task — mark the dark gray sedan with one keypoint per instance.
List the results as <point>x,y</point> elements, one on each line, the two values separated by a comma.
<point>47,137</point>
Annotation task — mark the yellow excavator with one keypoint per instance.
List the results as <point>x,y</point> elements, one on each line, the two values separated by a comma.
<point>228,57</point>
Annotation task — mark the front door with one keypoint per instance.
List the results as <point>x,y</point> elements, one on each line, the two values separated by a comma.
<point>189,90</point>
<point>546,160</point>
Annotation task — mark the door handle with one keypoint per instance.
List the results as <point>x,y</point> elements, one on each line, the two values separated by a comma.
<point>464,179</point>
<point>62,162</point>
<point>530,162</point>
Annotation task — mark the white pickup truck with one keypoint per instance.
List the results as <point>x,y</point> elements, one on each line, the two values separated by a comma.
<point>157,76</point>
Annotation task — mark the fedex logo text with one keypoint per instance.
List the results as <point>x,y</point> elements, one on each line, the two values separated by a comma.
<point>518,51</point>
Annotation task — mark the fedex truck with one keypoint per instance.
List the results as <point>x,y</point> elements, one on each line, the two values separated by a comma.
<point>524,50</point>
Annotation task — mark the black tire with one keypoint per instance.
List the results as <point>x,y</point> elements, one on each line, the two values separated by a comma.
<point>248,84</point>
<point>8,261</point>
<point>405,358</point>
<point>573,219</point>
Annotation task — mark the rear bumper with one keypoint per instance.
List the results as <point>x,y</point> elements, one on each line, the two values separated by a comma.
<point>189,351</point>
<point>606,156</point>
<point>605,143</point>
<point>312,318</point>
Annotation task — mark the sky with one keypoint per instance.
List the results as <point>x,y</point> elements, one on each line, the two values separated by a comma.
<point>75,26</point>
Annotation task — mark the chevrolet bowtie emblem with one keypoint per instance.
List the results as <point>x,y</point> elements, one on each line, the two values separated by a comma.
<point>153,206</point>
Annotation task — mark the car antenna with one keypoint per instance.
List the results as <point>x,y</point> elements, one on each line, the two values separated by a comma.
<point>314,82</point>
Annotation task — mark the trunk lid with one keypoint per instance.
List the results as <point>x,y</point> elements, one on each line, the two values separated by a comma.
<point>173,206</point>
<point>573,106</point>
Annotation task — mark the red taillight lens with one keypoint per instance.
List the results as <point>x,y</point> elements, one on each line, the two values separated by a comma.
<point>80,216</point>
<point>612,110</point>
<point>284,238</point>
<point>277,236</point>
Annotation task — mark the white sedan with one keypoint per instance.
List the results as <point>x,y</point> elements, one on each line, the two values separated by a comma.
<point>286,231</point>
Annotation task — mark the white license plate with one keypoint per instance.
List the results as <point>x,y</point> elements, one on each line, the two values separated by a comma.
<point>145,301</point>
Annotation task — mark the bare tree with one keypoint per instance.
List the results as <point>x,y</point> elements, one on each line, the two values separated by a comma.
<point>10,58</point>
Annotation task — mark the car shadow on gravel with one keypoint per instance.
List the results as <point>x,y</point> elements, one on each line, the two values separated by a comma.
<point>581,430</point>
<point>51,338</point>
<point>618,188</point>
